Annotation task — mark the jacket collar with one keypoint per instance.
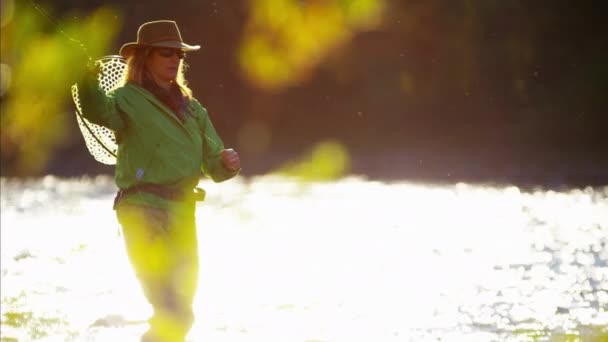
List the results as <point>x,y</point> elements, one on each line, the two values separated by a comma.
<point>156,101</point>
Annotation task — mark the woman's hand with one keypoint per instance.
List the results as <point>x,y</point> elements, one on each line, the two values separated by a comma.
<point>230,159</point>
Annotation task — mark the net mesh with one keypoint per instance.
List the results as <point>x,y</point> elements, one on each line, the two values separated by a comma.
<point>100,140</point>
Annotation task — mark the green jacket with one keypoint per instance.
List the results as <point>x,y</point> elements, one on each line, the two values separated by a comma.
<point>154,146</point>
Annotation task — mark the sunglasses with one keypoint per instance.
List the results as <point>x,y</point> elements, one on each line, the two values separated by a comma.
<point>168,53</point>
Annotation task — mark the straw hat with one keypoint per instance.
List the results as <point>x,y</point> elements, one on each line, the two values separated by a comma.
<point>160,33</point>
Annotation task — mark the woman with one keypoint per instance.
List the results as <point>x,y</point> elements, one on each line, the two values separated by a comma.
<point>165,139</point>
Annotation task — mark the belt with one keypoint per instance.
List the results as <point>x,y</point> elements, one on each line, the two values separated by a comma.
<point>163,191</point>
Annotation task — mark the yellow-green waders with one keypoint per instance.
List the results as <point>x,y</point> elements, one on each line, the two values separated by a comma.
<point>162,248</point>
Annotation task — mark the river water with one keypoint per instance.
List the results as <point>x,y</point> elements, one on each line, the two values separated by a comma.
<point>351,260</point>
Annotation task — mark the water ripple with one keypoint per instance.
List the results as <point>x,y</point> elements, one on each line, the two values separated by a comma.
<point>352,260</point>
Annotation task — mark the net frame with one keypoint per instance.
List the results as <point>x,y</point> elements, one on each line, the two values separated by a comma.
<point>101,141</point>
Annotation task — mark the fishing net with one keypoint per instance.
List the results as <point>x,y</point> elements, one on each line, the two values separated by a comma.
<point>100,140</point>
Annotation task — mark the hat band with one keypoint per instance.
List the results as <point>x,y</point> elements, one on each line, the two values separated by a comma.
<point>162,39</point>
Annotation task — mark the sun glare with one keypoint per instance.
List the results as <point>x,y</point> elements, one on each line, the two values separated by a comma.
<point>347,260</point>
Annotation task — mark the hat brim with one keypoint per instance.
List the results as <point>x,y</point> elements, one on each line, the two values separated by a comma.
<point>128,49</point>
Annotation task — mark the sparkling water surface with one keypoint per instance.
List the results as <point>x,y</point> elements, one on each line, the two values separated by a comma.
<point>350,260</point>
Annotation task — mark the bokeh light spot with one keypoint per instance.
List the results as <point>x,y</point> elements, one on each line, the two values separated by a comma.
<point>285,39</point>
<point>328,160</point>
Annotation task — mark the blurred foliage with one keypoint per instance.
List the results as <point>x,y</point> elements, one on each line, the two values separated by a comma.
<point>326,161</point>
<point>44,58</point>
<point>285,39</point>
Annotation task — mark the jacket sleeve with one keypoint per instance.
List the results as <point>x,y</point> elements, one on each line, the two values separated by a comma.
<point>97,106</point>
<point>212,148</point>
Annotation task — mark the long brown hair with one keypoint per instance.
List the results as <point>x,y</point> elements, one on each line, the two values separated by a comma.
<point>136,67</point>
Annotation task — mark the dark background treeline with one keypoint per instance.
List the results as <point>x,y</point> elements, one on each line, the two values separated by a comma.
<point>506,91</point>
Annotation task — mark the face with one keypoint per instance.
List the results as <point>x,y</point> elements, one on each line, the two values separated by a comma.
<point>163,63</point>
